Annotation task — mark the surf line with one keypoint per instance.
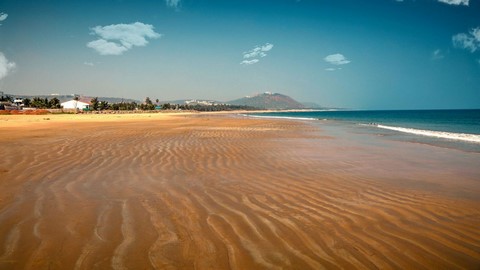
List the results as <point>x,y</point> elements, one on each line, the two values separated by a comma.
<point>437,134</point>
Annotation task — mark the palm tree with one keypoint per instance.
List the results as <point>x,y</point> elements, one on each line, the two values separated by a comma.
<point>103,105</point>
<point>6,98</point>
<point>54,103</point>
<point>148,101</point>
<point>39,103</point>
<point>94,102</point>
<point>26,102</point>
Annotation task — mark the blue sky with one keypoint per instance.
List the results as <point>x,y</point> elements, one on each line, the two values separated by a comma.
<point>375,54</point>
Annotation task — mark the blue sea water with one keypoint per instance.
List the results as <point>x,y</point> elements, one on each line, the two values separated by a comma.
<point>450,128</point>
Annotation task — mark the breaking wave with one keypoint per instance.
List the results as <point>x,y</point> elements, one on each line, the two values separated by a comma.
<point>437,134</point>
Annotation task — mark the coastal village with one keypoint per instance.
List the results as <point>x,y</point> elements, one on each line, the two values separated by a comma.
<point>82,104</point>
<point>56,103</point>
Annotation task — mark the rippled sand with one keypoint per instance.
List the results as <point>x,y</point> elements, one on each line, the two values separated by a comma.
<point>215,192</point>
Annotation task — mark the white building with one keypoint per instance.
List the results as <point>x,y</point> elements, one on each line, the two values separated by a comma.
<point>72,104</point>
<point>18,101</point>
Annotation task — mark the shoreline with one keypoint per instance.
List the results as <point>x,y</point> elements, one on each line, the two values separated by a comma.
<point>450,135</point>
<point>183,191</point>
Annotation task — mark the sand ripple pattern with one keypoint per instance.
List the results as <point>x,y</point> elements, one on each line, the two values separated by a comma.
<point>219,193</point>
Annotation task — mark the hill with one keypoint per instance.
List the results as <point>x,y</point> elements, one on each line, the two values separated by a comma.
<point>268,101</point>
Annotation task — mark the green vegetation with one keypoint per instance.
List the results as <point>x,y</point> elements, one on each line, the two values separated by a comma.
<point>104,105</point>
<point>6,98</point>
<point>26,102</point>
<point>124,106</point>
<point>94,103</point>
<point>149,105</point>
<point>43,103</point>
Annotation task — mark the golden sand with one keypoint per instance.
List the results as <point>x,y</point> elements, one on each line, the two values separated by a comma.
<point>191,191</point>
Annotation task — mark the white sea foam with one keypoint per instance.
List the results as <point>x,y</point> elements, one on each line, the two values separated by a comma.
<point>436,134</point>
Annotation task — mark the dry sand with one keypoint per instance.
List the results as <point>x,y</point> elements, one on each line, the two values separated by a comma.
<point>213,192</point>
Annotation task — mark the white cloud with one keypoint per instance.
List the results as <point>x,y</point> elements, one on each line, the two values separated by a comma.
<point>476,33</point>
<point>3,17</point>
<point>89,64</point>
<point>116,39</point>
<point>337,59</point>
<point>249,62</point>
<point>258,51</point>
<point>437,54</point>
<point>173,3</point>
<point>5,66</point>
<point>332,69</point>
<point>455,2</point>
<point>267,47</point>
<point>469,41</point>
<point>255,53</point>
<point>104,47</point>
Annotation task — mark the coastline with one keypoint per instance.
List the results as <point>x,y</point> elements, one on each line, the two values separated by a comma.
<point>454,129</point>
<point>209,190</point>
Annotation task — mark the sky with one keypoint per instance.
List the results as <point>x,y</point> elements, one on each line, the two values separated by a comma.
<point>370,54</point>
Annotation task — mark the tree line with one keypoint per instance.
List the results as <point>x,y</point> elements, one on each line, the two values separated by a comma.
<point>42,103</point>
<point>36,102</point>
<point>148,105</point>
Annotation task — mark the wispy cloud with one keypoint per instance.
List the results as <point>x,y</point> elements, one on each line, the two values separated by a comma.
<point>6,66</point>
<point>450,2</point>
<point>173,3</point>
<point>249,62</point>
<point>116,39</point>
<point>455,2</point>
<point>468,41</point>
<point>89,64</point>
<point>3,17</point>
<point>437,55</point>
<point>337,59</point>
<point>332,69</point>
<point>104,47</point>
<point>256,53</point>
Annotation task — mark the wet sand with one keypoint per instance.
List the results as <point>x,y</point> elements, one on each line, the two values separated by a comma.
<point>219,192</point>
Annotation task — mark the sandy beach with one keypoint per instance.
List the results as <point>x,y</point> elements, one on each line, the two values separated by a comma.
<point>213,191</point>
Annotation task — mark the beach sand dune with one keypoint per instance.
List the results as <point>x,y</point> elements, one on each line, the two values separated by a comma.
<point>216,192</point>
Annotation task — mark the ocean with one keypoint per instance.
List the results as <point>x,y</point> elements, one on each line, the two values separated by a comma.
<point>459,129</point>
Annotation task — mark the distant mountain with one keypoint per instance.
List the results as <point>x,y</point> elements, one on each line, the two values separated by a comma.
<point>114,99</point>
<point>177,101</point>
<point>61,97</point>
<point>192,102</point>
<point>269,101</point>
